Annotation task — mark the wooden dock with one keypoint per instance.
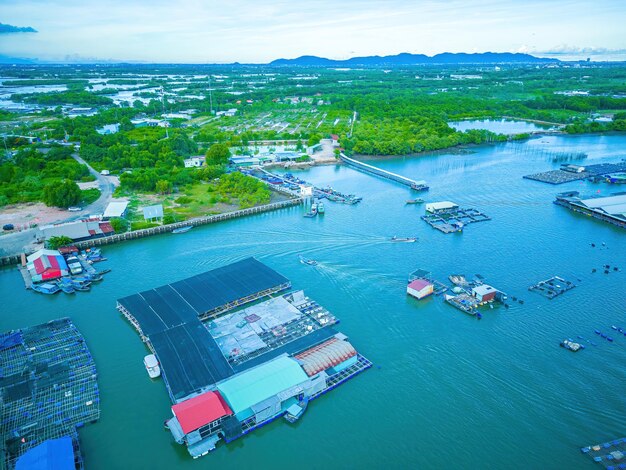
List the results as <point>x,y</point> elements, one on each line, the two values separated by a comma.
<point>372,170</point>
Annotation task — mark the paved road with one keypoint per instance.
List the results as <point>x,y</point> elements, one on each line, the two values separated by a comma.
<point>106,193</point>
<point>19,241</point>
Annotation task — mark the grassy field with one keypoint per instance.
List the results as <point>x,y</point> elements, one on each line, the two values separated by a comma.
<point>191,201</point>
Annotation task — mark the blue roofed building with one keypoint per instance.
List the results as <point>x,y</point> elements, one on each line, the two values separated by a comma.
<point>53,454</point>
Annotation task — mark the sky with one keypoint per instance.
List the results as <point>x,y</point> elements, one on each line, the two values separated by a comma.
<point>258,31</point>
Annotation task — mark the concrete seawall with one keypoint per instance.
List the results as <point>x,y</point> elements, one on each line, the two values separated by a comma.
<point>17,258</point>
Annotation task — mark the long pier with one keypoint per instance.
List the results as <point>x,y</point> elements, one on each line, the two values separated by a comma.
<point>16,259</point>
<point>372,170</point>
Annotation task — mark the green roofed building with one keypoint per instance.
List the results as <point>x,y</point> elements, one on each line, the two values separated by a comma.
<point>262,390</point>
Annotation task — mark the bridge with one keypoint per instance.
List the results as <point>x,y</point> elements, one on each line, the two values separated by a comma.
<point>372,170</point>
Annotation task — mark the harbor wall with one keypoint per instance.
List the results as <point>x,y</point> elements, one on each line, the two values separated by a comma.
<point>210,219</point>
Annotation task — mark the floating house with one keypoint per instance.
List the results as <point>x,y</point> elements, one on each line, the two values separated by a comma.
<point>484,293</point>
<point>434,207</point>
<point>420,288</point>
<point>230,370</point>
<point>611,209</point>
<point>45,265</point>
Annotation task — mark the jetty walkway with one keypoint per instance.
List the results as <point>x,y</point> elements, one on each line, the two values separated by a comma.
<point>372,170</point>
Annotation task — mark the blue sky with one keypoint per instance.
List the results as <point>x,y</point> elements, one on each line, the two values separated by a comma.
<point>211,31</point>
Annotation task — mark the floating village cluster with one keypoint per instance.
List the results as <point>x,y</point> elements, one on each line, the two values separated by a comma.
<point>230,370</point>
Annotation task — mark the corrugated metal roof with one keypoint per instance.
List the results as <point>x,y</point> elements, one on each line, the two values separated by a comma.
<point>603,202</point>
<point>260,383</point>
<point>200,410</point>
<point>419,284</point>
<point>326,355</point>
<point>153,212</point>
<point>53,454</point>
<point>115,209</point>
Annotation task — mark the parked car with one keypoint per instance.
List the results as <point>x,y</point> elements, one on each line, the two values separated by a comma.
<point>8,227</point>
<point>74,209</point>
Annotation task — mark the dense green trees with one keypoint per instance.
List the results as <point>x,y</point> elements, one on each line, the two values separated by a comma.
<point>24,176</point>
<point>218,154</point>
<point>249,191</point>
<point>55,243</point>
<point>61,194</point>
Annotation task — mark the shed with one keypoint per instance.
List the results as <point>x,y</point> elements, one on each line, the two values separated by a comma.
<point>115,209</point>
<point>420,288</point>
<point>440,206</point>
<point>200,410</point>
<point>261,383</point>
<point>153,212</point>
<point>484,293</point>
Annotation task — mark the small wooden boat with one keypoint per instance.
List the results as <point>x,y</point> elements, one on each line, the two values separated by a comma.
<point>310,262</point>
<point>458,279</point>
<point>571,345</point>
<point>182,229</point>
<point>415,201</point>
<point>320,208</point>
<point>46,288</point>
<point>403,239</point>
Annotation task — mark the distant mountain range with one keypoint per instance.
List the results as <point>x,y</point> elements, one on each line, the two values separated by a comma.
<point>417,59</point>
<point>446,58</point>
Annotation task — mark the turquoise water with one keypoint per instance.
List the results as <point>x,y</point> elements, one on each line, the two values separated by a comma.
<point>500,126</point>
<point>446,390</point>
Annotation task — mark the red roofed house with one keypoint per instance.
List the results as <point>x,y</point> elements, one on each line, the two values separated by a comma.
<point>44,265</point>
<point>419,288</point>
<point>197,421</point>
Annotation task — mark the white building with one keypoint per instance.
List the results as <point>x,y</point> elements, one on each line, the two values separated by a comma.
<point>194,162</point>
<point>115,209</point>
<point>440,206</point>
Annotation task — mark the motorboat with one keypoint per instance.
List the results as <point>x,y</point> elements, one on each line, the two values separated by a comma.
<point>152,366</point>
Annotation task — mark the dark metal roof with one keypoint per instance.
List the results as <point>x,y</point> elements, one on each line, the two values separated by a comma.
<point>177,303</point>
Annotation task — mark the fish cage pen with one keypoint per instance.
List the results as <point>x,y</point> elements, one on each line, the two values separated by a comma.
<point>48,386</point>
<point>453,220</point>
<point>552,287</point>
<point>611,455</point>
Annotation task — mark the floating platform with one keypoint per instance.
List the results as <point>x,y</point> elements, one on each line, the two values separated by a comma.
<point>454,220</point>
<point>238,370</point>
<point>438,287</point>
<point>463,302</point>
<point>590,171</point>
<point>552,287</point>
<point>611,209</point>
<point>48,386</point>
<point>611,455</point>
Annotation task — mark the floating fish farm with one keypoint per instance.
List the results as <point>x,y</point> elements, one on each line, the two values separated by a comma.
<point>552,287</point>
<point>454,220</point>
<point>611,455</point>
<point>48,389</point>
<point>229,369</point>
<point>611,209</point>
<point>588,171</point>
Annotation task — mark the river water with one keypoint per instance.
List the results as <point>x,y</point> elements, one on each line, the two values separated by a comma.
<point>446,390</point>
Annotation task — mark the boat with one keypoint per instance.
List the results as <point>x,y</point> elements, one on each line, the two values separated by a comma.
<point>571,345</point>
<point>104,271</point>
<point>152,366</point>
<point>403,239</point>
<point>66,286</point>
<point>295,411</point>
<point>320,208</point>
<point>415,201</point>
<point>310,262</point>
<point>458,279</point>
<point>184,229</point>
<point>46,288</point>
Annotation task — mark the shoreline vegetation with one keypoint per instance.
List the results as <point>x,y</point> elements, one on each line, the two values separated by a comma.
<point>143,123</point>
